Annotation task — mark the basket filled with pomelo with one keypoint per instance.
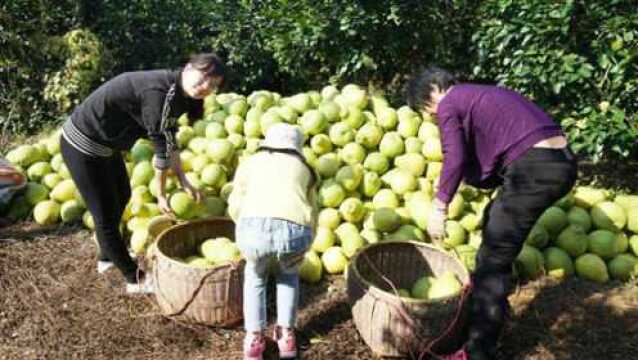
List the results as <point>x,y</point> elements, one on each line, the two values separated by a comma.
<point>198,273</point>
<point>409,299</point>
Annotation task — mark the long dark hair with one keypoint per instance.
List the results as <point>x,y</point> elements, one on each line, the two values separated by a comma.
<point>195,109</point>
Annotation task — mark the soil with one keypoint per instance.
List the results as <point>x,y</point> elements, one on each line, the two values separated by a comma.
<point>54,305</point>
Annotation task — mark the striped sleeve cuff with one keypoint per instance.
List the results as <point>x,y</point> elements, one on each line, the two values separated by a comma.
<point>161,160</point>
<point>161,163</point>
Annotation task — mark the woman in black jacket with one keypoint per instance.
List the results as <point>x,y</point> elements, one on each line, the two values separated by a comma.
<point>110,120</point>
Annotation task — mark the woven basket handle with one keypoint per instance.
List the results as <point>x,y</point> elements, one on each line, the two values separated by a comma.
<point>190,299</point>
<point>400,307</point>
<point>465,292</point>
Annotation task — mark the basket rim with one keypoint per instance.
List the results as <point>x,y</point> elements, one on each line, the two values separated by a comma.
<point>380,293</point>
<point>183,224</point>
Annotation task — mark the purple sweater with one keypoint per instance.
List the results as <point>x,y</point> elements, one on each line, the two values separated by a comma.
<point>483,129</point>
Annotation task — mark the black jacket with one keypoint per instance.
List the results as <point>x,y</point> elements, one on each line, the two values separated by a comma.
<point>131,106</point>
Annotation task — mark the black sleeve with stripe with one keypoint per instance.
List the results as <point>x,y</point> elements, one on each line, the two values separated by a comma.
<point>152,106</point>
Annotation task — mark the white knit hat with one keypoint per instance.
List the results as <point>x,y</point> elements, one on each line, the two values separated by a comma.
<point>284,136</point>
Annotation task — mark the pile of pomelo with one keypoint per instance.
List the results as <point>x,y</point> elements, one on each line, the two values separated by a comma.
<point>378,166</point>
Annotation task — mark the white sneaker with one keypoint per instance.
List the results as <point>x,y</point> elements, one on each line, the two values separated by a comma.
<point>103,266</point>
<point>145,287</point>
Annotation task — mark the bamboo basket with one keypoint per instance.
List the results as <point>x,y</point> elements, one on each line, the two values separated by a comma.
<point>211,296</point>
<point>394,326</point>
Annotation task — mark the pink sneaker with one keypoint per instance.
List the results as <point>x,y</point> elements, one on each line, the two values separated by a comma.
<point>459,355</point>
<point>254,346</point>
<point>286,342</point>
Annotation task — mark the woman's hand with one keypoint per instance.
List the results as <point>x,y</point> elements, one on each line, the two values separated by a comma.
<point>192,191</point>
<point>436,222</point>
<point>164,206</point>
<point>176,164</point>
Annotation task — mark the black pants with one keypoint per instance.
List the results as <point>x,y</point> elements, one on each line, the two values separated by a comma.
<point>531,184</point>
<point>104,185</point>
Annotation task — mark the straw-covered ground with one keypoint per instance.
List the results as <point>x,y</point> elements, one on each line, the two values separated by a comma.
<point>53,305</point>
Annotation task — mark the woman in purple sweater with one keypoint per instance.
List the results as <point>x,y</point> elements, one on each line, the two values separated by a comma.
<point>493,137</point>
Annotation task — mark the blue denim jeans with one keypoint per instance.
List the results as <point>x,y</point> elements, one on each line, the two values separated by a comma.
<point>260,241</point>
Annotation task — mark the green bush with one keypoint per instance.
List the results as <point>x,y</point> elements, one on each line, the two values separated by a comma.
<point>528,46</point>
<point>603,131</point>
<point>25,58</point>
<point>293,46</point>
<point>568,56</point>
<point>86,63</point>
<point>149,34</point>
<point>613,28</point>
<point>42,77</point>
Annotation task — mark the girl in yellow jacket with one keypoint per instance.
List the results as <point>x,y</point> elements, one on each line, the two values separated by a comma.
<point>273,204</point>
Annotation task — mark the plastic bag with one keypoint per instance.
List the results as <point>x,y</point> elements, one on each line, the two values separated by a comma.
<point>11,182</point>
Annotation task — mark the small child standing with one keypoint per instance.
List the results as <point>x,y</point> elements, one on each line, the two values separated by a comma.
<point>273,205</point>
